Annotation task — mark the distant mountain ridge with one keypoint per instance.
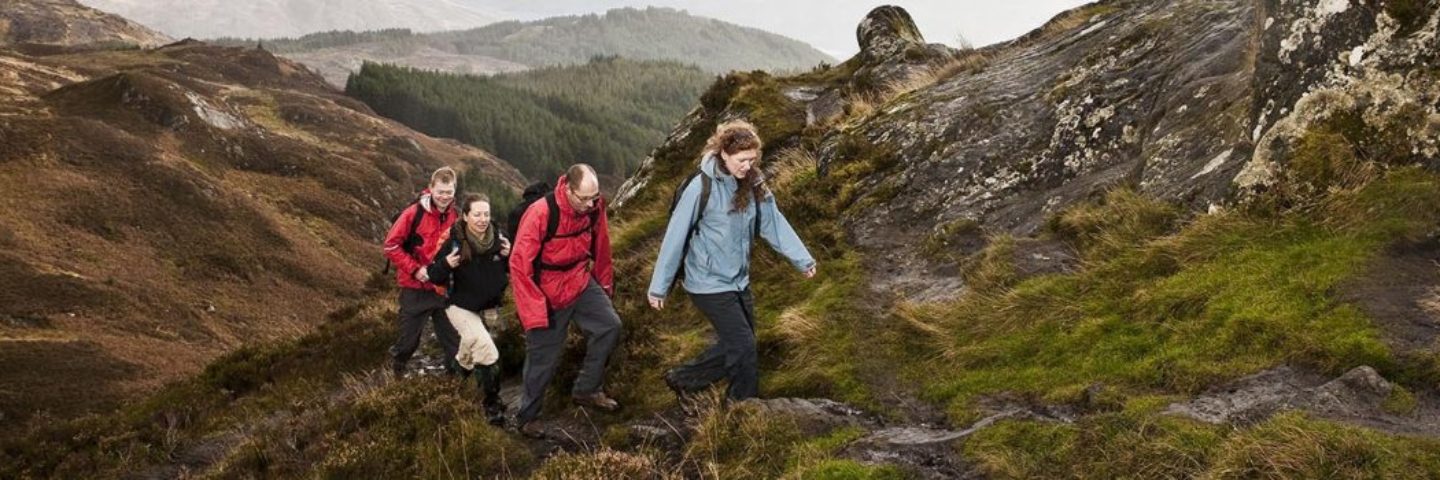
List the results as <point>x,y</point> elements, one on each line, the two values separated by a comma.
<point>641,34</point>
<point>286,18</point>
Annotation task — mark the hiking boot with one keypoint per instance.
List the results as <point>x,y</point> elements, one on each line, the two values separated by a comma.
<point>487,378</point>
<point>532,429</point>
<point>597,401</point>
<point>495,414</point>
<point>397,369</point>
<point>682,396</point>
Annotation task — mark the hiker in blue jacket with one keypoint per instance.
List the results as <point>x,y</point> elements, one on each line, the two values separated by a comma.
<point>717,213</point>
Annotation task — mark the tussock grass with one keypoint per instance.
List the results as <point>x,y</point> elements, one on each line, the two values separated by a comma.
<point>605,463</point>
<point>864,103</point>
<point>740,440</point>
<point>1077,17</point>
<point>967,62</point>
<point>1219,297</point>
<point>1133,444</point>
<point>791,165</point>
<point>423,428</point>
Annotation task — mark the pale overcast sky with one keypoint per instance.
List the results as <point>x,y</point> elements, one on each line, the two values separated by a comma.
<point>828,24</point>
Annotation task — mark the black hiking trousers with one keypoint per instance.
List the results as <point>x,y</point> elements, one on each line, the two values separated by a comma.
<point>733,356</point>
<point>416,306</point>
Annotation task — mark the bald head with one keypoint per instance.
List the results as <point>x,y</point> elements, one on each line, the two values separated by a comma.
<point>582,178</point>
<point>584,187</point>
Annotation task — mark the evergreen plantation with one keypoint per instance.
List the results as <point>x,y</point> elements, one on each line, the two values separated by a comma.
<point>608,112</point>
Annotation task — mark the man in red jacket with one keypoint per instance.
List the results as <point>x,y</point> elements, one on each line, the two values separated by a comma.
<point>411,251</point>
<point>575,283</point>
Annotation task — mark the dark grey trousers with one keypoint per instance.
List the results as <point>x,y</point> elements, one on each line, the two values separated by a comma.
<point>415,307</point>
<point>733,355</point>
<point>595,316</point>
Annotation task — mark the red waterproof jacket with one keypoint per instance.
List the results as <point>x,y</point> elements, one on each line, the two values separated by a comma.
<point>558,289</point>
<point>432,227</point>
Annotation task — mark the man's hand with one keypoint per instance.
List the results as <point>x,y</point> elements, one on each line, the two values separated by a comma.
<point>811,272</point>
<point>656,302</point>
<point>422,275</point>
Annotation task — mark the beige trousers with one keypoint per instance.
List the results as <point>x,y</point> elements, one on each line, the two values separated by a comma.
<point>476,346</point>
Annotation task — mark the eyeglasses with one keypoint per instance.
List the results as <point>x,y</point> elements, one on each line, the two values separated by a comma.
<point>585,200</point>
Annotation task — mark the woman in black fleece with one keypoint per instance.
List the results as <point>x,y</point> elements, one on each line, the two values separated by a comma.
<point>474,264</point>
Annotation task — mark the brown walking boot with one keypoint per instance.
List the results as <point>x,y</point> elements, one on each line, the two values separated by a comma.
<point>533,429</point>
<point>598,401</point>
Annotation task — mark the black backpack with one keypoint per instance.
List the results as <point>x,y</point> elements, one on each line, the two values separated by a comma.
<point>412,238</point>
<point>552,226</point>
<point>695,223</point>
<point>534,192</point>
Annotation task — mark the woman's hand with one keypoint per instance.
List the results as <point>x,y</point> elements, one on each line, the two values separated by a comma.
<point>811,272</point>
<point>656,302</point>
<point>453,259</point>
<point>504,247</point>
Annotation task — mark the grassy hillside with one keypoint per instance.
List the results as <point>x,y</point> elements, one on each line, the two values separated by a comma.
<point>1163,304</point>
<point>169,205</point>
<point>608,112</point>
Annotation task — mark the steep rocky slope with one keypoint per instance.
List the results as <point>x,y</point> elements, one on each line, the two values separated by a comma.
<point>167,205</point>
<point>1192,102</point>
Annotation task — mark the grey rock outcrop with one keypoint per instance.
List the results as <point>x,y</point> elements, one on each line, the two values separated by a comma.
<point>1360,396</point>
<point>892,49</point>
<point>1171,98</point>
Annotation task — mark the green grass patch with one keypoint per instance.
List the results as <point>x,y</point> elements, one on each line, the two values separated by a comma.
<point>1165,307</point>
<point>1400,401</point>
<point>1137,445</point>
<point>850,470</point>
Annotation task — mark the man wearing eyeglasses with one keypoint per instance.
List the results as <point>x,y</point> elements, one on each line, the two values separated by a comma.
<point>561,274</point>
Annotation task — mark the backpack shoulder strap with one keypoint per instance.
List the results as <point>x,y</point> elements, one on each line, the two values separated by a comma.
<point>552,224</point>
<point>694,222</point>
<point>552,221</point>
<point>415,219</point>
<point>594,224</point>
<point>704,199</point>
<point>756,231</point>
